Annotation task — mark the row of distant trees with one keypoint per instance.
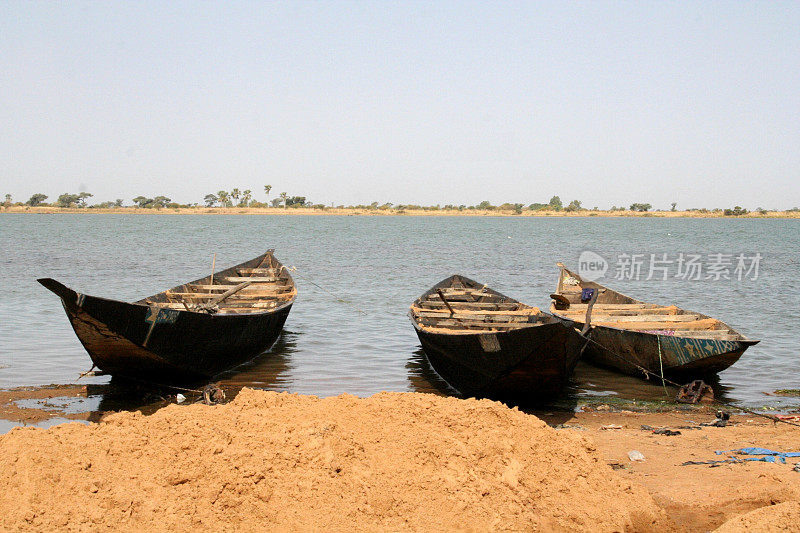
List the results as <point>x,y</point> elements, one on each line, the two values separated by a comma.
<point>237,198</point>
<point>244,198</point>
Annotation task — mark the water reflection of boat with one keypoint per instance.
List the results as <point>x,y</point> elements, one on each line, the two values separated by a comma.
<point>486,344</point>
<point>190,332</point>
<point>266,371</point>
<point>269,371</point>
<point>627,334</point>
<point>423,378</point>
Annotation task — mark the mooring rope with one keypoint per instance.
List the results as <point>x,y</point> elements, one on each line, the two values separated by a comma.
<point>661,365</point>
<point>648,373</point>
<point>323,289</point>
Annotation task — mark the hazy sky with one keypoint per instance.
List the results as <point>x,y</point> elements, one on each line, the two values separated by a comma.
<point>433,102</point>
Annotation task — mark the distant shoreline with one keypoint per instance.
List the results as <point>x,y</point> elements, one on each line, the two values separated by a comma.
<point>335,211</point>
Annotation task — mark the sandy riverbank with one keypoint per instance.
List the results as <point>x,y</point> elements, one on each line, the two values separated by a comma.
<point>385,212</point>
<point>398,461</point>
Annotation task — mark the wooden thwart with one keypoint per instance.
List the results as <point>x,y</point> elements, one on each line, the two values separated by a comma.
<point>621,312</point>
<point>251,279</point>
<point>436,312</point>
<point>497,306</point>
<point>244,271</point>
<point>707,323</point>
<point>601,317</point>
<point>254,294</point>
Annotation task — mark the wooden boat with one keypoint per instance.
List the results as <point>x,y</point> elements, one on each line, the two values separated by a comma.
<point>188,333</point>
<point>489,345</point>
<point>626,333</point>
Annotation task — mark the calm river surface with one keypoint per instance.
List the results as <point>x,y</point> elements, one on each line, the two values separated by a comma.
<point>379,265</point>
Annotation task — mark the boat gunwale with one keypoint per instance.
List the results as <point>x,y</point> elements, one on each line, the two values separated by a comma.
<point>741,338</point>
<point>547,318</point>
<point>254,312</point>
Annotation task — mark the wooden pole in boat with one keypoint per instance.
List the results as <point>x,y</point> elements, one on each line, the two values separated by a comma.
<point>224,295</point>
<point>587,321</point>
<point>441,295</point>
<point>213,266</point>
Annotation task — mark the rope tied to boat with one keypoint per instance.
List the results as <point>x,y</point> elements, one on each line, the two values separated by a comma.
<point>661,365</point>
<point>648,373</point>
<point>323,289</point>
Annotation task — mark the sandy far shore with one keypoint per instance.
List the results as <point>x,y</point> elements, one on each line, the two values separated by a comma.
<point>396,461</point>
<point>333,211</point>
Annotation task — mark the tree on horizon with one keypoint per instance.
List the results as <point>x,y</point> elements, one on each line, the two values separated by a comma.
<point>142,201</point>
<point>82,196</point>
<point>246,196</point>
<point>224,198</point>
<point>36,199</point>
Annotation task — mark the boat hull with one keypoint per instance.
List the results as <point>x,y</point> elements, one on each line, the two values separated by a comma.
<point>166,345</point>
<point>680,357</point>
<point>526,364</point>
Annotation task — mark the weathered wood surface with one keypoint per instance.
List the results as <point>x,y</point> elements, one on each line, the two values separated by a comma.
<point>486,344</point>
<point>252,279</point>
<point>470,305</point>
<point>225,287</point>
<point>168,338</point>
<point>652,334</point>
<point>707,323</point>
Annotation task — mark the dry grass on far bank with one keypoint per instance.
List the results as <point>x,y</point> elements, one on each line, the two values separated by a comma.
<point>334,211</point>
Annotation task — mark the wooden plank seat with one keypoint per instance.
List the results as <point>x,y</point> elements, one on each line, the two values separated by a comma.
<point>438,304</point>
<point>241,294</point>
<point>249,271</point>
<point>464,291</point>
<point>582,307</point>
<point>224,305</point>
<point>706,323</point>
<point>223,288</point>
<point>688,317</point>
<point>622,312</point>
<point>476,320</point>
<point>466,319</point>
<point>252,279</point>
<point>478,312</point>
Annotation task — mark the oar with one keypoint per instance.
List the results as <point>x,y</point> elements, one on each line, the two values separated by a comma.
<point>441,295</point>
<point>213,266</point>
<point>213,303</point>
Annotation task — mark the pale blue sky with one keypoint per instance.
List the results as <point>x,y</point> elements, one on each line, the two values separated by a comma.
<point>449,102</point>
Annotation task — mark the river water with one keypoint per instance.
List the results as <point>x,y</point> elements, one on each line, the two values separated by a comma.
<point>354,336</point>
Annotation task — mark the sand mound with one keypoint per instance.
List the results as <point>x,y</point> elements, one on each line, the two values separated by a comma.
<point>396,461</point>
<point>782,517</point>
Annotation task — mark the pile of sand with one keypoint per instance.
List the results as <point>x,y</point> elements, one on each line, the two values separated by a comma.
<point>781,517</point>
<point>267,460</point>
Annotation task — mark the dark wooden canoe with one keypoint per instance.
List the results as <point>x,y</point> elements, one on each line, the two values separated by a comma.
<point>493,346</point>
<point>626,332</point>
<point>185,334</point>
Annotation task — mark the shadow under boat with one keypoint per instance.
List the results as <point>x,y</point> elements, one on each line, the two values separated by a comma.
<point>590,386</point>
<point>267,371</point>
